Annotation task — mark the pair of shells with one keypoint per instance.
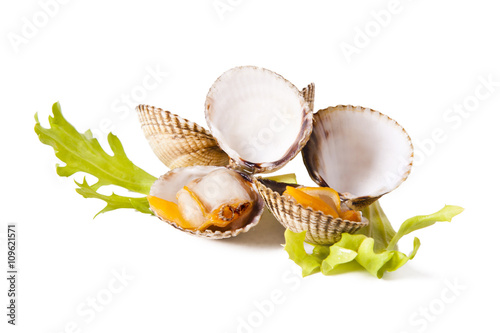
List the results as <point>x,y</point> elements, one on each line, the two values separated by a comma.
<point>258,122</point>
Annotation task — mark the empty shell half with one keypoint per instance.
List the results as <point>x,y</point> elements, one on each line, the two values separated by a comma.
<point>323,225</point>
<point>259,119</point>
<point>360,152</point>
<point>178,142</point>
<point>207,201</point>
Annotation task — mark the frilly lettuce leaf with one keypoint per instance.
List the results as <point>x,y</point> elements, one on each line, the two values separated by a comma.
<point>81,152</point>
<point>423,221</point>
<point>310,263</point>
<point>361,250</point>
<point>372,249</point>
<point>113,201</point>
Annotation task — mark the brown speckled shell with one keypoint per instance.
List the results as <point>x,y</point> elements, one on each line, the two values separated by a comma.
<point>321,228</point>
<point>179,142</point>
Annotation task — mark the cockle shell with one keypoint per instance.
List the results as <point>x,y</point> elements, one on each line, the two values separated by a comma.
<point>361,153</point>
<point>320,228</point>
<point>167,186</point>
<point>179,142</point>
<point>259,119</point>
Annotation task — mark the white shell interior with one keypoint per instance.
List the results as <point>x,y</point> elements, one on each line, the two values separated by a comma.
<point>255,114</point>
<point>167,186</point>
<point>360,151</point>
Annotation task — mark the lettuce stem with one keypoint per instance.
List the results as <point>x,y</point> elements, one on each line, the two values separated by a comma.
<point>379,228</point>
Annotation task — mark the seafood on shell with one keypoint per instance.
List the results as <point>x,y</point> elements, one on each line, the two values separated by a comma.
<point>258,122</point>
<point>361,153</point>
<point>320,227</point>
<point>206,201</point>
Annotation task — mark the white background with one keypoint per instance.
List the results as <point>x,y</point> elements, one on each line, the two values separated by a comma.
<point>424,59</point>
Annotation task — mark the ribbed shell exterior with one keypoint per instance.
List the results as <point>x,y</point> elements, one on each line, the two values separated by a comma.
<point>321,228</point>
<point>179,142</point>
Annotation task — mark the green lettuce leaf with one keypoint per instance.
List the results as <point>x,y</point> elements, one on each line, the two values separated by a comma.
<point>379,228</point>
<point>81,152</point>
<point>423,221</point>
<point>371,249</point>
<point>114,201</point>
<point>289,178</point>
<point>310,263</point>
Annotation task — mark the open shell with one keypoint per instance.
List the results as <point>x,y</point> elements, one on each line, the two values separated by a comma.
<point>320,228</point>
<point>361,153</point>
<point>170,183</point>
<point>179,142</point>
<point>244,104</point>
<point>259,119</point>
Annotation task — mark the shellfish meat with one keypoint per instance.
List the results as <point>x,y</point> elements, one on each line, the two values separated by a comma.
<point>323,225</point>
<point>214,202</point>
